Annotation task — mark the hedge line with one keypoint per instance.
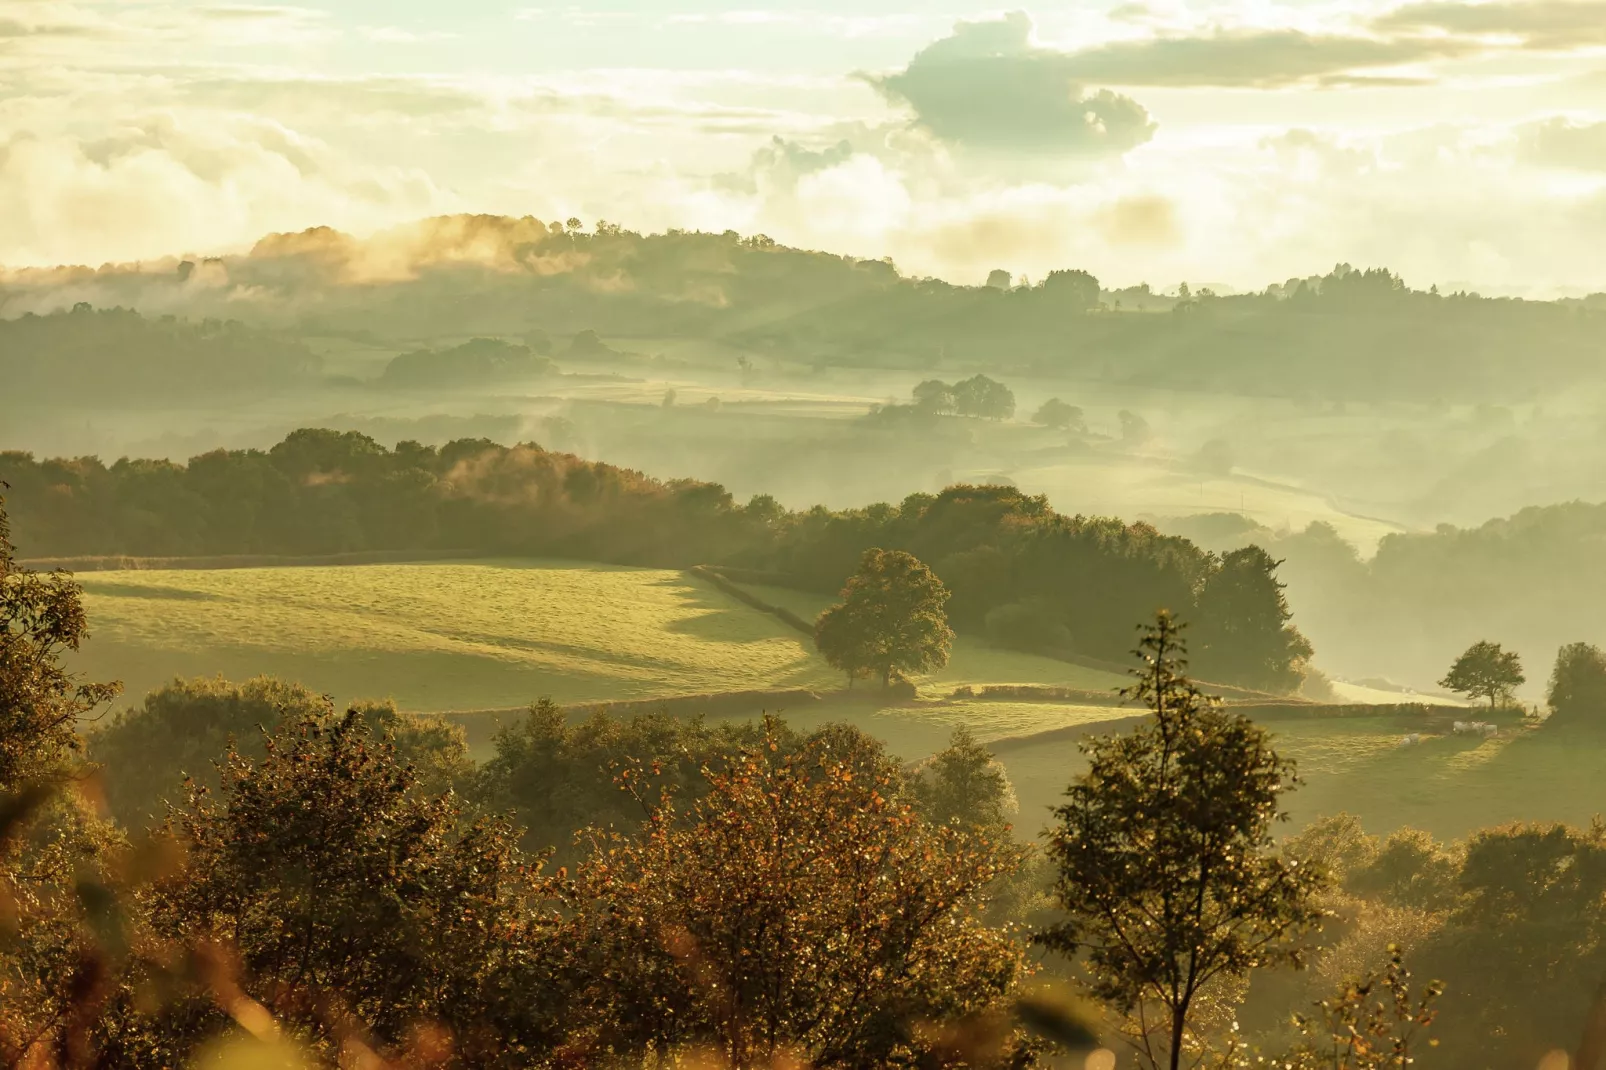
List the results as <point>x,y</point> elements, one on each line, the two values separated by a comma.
<point>741,594</point>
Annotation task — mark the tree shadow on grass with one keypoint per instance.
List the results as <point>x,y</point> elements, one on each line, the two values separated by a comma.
<point>716,617</point>
<point>417,680</point>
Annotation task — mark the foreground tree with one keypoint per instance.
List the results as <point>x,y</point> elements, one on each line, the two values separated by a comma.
<point>1371,1023</point>
<point>1577,693</point>
<point>41,702</point>
<point>51,845</point>
<point>1485,671</point>
<point>892,619</point>
<point>1246,632</point>
<point>797,911</point>
<point>188,728</point>
<point>356,904</point>
<point>1168,875</point>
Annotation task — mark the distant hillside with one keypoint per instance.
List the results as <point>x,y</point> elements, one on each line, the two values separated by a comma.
<point>1355,335</point>
<point>1532,581</point>
<point>120,356</point>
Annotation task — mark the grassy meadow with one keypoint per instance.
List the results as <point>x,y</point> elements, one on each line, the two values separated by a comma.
<point>440,636</point>
<point>1448,785</point>
<point>496,634</point>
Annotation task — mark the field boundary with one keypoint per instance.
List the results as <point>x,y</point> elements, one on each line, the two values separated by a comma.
<point>481,726</point>
<point>1423,713</point>
<point>1411,714</point>
<point>1072,696</point>
<point>746,597</point>
<point>1066,734</point>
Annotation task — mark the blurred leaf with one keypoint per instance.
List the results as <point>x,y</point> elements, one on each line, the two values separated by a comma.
<point>1059,1017</point>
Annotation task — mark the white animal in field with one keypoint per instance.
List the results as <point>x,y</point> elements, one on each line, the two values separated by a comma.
<point>1411,740</point>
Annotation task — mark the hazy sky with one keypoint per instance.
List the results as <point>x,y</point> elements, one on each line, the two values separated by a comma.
<point>1237,142</point>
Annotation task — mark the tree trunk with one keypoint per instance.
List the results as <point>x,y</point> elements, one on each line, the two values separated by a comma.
<point>1179,1021</point>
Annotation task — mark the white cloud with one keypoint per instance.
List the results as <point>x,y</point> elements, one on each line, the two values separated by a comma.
<point>395,35</point>
<point>168,184</point>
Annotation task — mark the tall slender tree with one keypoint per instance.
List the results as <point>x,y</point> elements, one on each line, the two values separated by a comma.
<point>1169,880</point>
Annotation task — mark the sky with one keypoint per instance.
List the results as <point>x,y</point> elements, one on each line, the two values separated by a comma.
<point>1231,142</point>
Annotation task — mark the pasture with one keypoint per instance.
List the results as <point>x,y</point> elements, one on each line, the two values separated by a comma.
<point>437,636</point>
<point>498,634</point>
<point>1447,785</point>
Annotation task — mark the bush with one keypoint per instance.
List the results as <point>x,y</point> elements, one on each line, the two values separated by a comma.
<point>336,881</point>
<point>798,911</point>
<point>188,727</point>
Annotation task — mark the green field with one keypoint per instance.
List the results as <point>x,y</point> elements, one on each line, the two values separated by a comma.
<point>486,635</point>
<point>1447,785</point>
<point>440,636</point>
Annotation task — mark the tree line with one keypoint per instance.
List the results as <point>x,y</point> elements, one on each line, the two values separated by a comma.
<point>118,355</point>
<point>1019,572</point>
<point>1351,334</point>
<point>1533,579</point>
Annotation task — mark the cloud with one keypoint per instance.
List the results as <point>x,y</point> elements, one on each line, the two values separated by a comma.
<point>1140,220</point>
<point>1563,143</point>
<point>1250,58</point>
<point>164,184</point>
<point>989,86</point>
<point>14,28</point>
<point>395,35</point>
<point>805,21</point>
<point>781,163</point>
<point>1551,25</point>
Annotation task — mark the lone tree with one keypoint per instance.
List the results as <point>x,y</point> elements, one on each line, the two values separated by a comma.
<point>1168,874</point>
<point>1485,671</point>
<point>892,619</point>
<point>1060,416</point>
<point>1578,685</point>
<point>984,397</point>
